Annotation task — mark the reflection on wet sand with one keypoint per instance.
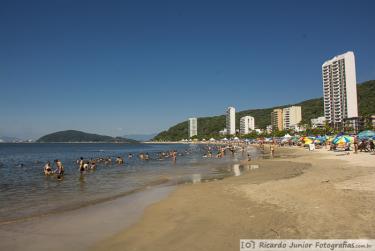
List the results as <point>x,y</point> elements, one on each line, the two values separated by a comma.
<point>236,170</point>
<point>196,178</point>
<point>240,169</point>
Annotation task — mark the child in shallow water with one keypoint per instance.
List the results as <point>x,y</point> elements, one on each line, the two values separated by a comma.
<point>47,168</point>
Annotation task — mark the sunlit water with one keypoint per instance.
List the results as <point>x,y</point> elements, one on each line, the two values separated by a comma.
<point>26,192</point>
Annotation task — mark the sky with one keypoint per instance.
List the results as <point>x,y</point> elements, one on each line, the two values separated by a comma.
<point>139,67</point>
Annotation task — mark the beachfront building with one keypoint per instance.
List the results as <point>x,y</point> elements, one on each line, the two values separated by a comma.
<point>340,89</point>
<point>231,120</point>
<point>292,116</point>
<point>223,132</point>
<point>318,122</point>
<point>277,119</point>
<point>193,127</point>
<point>247,124</point>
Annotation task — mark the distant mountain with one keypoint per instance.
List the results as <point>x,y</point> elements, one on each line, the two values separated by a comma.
<point>5,139</point>
<point>78,136</point>
<point>140,137</point>
<point>311,108</point>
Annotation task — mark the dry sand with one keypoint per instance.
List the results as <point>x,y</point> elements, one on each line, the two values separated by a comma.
<point>305,195</point>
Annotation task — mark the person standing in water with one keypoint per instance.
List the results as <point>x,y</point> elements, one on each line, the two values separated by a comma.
<point>174,156</point>
<point>92,164</point>
<point>60,169</point>
<point>81,165</point>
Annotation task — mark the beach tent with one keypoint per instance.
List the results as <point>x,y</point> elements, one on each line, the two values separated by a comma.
<point>287,136</point>
<point>212,139</point>
<point>225,139</point>
<point>236,138</point>
<point>369,134</point>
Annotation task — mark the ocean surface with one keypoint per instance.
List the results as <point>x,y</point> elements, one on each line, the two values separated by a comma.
<point>25,192</point>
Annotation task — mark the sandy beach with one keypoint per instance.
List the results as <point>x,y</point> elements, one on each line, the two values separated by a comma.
<point>301,195</point>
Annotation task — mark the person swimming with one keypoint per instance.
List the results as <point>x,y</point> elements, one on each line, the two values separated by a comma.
<point>47,168</point>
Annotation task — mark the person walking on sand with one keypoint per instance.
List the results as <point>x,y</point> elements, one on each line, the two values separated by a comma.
<point>355,144</point>
<point>272,149</point>
<point>372,145</point>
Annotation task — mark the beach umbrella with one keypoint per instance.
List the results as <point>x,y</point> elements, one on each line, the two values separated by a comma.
<point>329,138</point>
<point>366,134</point>
<point>320,139</point>
<point>307,140</point>
<point>342,140</point>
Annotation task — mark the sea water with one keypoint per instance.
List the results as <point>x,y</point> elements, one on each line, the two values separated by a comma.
<point>26,192</point>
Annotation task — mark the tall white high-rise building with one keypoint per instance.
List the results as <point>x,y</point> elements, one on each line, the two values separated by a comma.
<point>340,88</point>
<point>247,124</point>
<point>231,120</point>
<point>193,127</point>
<point>291,117</point>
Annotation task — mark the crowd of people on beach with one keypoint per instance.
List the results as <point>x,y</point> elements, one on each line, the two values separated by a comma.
<point>339,142</point>
<point>364,145</point>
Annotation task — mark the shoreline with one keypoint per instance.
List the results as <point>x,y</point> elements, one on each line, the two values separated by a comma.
<point>306,194</point>
<point>47,227</point>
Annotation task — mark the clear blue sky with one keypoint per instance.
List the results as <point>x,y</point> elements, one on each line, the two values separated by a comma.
<point>123,67</point>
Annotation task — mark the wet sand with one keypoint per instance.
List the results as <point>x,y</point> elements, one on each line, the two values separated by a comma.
<point>316,194</point>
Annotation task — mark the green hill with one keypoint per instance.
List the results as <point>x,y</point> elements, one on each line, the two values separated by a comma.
<point>311,108</point>
<point>77,136</point>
